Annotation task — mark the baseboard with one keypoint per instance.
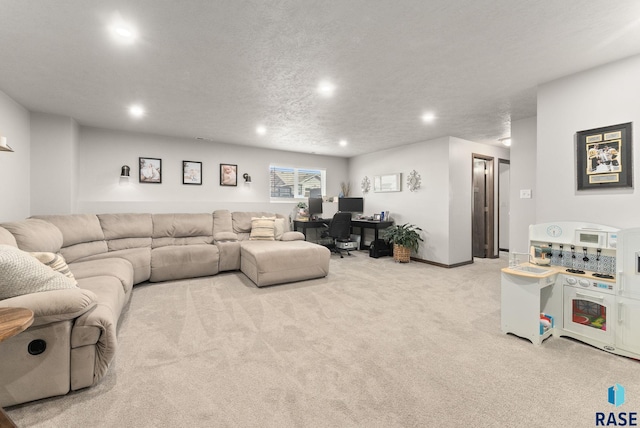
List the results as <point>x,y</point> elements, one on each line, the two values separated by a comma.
<point>429,262</point>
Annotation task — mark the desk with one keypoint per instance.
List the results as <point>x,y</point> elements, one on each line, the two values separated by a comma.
<point>362,224</point>
<point>12,322</point>
<point>369,224</point>
<point>310,224</point>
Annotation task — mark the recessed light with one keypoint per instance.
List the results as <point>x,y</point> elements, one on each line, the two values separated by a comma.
<point>136,111</point>
<point>428,117</point>
<point>326,88</point>
<point>261,130</point>
<point>506,141</point>
<point>343,143</point>
<point>122,31</point>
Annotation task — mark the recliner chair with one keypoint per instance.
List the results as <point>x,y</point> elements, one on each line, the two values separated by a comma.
<point>340,231</point>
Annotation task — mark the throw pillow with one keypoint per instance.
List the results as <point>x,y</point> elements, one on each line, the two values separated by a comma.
<point>20,273</point>
<point>262,229</point>
<point>278,228</point>
<point>55,262</point>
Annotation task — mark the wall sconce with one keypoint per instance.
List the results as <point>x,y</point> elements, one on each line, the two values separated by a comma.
<point>247,178</point>
<point>4,147</point>
<point>124,174</point>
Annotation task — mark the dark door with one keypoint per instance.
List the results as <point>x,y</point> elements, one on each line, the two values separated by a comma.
<point>482,222</point>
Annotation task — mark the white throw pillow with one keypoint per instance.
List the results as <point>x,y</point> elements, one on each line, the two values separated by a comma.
<point>278,228</point>
<point>20,273</point>
<point>262,229</point>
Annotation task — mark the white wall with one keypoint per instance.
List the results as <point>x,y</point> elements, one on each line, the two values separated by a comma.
<point>103,152</point>
<point>442,206</point>
<point>523,177</point>
<point>603,96</point>
<point>15,178</point>
<point>54,166</point>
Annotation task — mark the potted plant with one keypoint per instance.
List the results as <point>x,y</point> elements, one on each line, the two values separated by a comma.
<point>405,239</point>
<point>302,210</point>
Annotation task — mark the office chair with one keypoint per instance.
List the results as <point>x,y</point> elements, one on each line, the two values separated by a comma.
<point>340,231</point>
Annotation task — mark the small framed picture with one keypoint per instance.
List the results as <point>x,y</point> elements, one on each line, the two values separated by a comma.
<point>228,174</point>
<point>150,170</point>
<point>376,217</point>
<point>191,172</point>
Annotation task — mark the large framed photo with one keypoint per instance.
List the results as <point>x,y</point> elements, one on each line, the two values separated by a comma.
<point>604,158</point>
<point>150,170</point>
<point>228,174</point>
<point>191,172</point>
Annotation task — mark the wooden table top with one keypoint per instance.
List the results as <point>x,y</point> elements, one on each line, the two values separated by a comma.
<point>13,321</point>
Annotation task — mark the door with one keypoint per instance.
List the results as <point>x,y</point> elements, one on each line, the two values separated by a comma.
<point>482,222</point>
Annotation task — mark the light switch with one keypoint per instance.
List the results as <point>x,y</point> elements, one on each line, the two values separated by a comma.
<point>525,193</point>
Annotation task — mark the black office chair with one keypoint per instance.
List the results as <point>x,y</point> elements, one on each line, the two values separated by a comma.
<point>339,230</point>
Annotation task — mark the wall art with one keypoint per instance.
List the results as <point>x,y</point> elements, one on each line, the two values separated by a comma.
<point>387,183</point>
<point>191,172</point>
<point>604,158</point>
<point>228,174</point>
<point>150,170</point>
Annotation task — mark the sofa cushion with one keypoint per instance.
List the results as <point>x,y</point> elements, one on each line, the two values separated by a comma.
<point>183,261</point>
<point>6,238</point>
<point>262,229</point>
<point>113,266</point>
<point>140,259</point>
<point>241,220</point>
<point>55,262</point>
<point>119,226</point>
<point>76,228</point>
<point>35,235</point>
<point>20,273</point>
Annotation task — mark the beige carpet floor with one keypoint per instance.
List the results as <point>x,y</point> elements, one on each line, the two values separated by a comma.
<point>375,344</point>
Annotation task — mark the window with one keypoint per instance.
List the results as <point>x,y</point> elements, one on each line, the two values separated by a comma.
<point>291,183</point>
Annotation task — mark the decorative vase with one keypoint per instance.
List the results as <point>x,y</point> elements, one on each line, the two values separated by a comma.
<point>401,254</point>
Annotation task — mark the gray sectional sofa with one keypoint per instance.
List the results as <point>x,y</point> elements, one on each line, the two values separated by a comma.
<point>107,255</point>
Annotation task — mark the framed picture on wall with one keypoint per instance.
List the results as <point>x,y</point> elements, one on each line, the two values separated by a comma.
<point>387,183</point>
<point>191,172</point>
<point>228,174</point>
<point>604,158</point>
<point>150,170</point>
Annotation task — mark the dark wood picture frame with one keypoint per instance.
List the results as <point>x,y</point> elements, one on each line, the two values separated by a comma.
<point>150,170</point>
<point>228,174</point>
<point>191,172</point>
<point>604,157</point>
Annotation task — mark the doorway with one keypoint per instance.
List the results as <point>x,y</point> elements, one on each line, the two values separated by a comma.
<point>483,210</point>
<point>504,184</point>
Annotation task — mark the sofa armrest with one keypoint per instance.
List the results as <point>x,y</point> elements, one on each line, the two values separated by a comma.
<point>54,306</point>
<point>293,236</point>
<point>225,237</point>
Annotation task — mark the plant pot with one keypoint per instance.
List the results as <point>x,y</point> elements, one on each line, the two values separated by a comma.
<point>401,254</point>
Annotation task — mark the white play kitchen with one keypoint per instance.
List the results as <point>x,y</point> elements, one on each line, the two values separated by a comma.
<point>579,280</point>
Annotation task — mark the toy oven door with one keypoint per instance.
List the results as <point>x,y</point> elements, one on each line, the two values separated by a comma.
<point>588,313</point>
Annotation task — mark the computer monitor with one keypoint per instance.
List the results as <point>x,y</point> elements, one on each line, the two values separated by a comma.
<point>315,193</point>
<point>315,207</point>
<point>352,205</point>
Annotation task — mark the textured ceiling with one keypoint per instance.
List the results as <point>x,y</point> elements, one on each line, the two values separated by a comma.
<point>219,68</point>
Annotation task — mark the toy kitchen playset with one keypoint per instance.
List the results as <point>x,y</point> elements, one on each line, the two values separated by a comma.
<point>579,280</point>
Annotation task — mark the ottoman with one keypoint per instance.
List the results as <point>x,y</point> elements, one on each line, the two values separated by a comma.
<point>277,262</point>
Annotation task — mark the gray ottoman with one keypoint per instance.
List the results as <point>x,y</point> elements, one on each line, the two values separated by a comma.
<point>277,262</point>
